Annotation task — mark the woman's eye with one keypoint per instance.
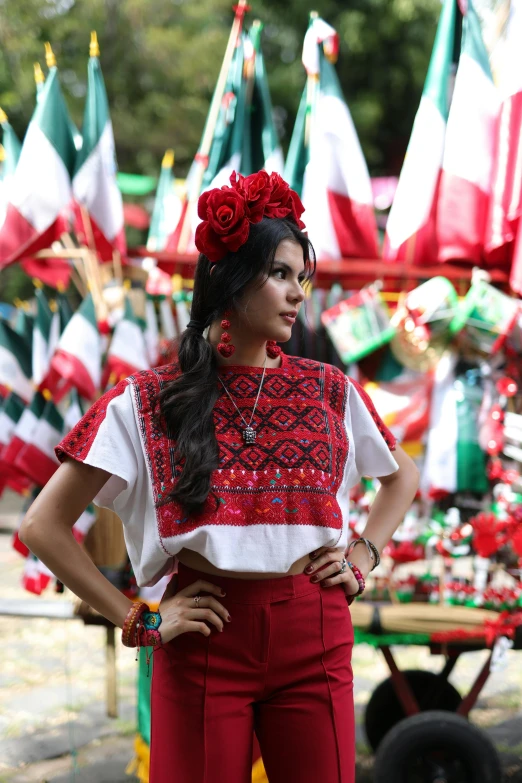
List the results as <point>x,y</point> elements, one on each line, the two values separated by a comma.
<point>280,272</point>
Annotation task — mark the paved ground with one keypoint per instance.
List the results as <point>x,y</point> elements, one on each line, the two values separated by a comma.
<point>53,727</point>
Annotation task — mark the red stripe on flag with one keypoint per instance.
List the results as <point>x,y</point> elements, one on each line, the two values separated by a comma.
<point>85,227</point>
<point>461,219</point>
<point>422,247</point>
<point>67,371</point>
<point>54,272</point>
<point>116,370</point>
<point>18,546</point>
<point>354,225</point>
<point>506,199</point>
<point>35,464</point>
<point>18,237</point>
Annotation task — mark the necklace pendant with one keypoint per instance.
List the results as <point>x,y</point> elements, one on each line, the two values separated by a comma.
<point>249,435</point>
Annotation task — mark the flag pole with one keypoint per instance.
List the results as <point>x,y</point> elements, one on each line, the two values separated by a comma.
<point>201,159</point>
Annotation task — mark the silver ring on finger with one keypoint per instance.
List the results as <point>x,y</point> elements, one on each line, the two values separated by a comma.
<point>197,599</point>
<point>343,565</point>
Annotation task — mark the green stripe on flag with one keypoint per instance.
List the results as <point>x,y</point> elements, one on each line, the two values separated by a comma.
<point>298,152</point>
<point>96,115</point>
<point>436,84</point>
<point>229,132</point>
<point>12,149</point>
<point>53,416</point>
<point>53,119</point>
<point>472,41</point>
<point>13,407</point>
<point>263,135</point>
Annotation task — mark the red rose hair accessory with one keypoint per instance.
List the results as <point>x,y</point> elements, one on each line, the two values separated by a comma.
<point>227,212</point>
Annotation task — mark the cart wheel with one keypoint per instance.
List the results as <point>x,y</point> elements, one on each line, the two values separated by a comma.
<point>384,709</point>
<point>436,747</point>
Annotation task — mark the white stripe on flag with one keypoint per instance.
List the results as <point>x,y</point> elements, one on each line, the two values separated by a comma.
<point>419,175</point>
<point>41,188</point>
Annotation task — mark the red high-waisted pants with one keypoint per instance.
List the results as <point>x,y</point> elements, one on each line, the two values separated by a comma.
<point>281,668</point>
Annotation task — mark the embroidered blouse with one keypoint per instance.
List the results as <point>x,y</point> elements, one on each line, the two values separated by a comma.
<point>284,495</point>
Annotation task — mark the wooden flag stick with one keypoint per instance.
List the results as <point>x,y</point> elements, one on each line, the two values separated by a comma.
<point>201,159</point>
<point>116,261</point>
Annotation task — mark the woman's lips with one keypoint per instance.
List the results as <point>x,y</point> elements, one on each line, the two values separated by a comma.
<point>290,319</point>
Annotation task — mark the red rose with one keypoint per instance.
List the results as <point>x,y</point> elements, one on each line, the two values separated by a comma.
<point>225,226</point>
<point>283,201</point>
<point>256,190</point>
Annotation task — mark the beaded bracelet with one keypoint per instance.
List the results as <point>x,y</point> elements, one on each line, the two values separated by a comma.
<point>130,626</point>
<point>370,546</point>
<point>360,581</point>
<point>140,628</point>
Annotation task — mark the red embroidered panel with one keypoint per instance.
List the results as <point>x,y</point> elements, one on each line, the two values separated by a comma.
<point>292,472</point>
<point>388,436</point>
<point>78,442</point>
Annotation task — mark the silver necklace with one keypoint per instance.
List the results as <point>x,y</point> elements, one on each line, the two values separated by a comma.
<point>249,433</point>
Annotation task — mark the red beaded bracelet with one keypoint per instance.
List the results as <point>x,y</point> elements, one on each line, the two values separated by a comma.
<point>360,581</point>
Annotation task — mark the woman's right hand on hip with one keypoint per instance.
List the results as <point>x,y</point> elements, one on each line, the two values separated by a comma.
<point>180,614</point>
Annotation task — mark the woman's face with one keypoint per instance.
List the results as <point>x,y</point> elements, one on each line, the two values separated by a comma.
<point>269,312</point>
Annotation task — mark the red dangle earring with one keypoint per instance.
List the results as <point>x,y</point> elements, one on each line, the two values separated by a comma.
<point>225,347</point>
<point>272,349</point>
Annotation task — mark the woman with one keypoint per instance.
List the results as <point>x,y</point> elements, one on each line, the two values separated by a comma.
<point>235,464</point>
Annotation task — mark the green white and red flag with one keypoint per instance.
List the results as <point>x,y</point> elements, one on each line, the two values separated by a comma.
<point>505,207</point>
<point>98,201</point>
<point>11,411</point>
<point>262,147</point>
<point>40,191</point>
<point>411,228</point>
<point>167,207</point>
<point>25,428</point>
<point>467,166</point>
<point>127,352</point>
<point>46,333</point>
<point>325,162</point>
<point>76,363</point>
<point>11,153</point>
<point>15,363</point>
<point>37,459</point>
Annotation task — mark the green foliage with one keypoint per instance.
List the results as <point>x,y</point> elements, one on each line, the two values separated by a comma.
<point>161,58</point>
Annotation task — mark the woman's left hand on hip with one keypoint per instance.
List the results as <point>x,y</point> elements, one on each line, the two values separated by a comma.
<point>324,567</point>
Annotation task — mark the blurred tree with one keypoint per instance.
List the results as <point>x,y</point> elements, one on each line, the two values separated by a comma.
<point>161,58</point>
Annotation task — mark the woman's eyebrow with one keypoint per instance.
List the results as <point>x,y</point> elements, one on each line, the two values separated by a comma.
<point>287,267</point>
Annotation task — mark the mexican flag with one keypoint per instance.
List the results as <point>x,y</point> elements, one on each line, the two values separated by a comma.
<point>127,352</point>
<point>226,149</point>
<point>98,202</point>
<point>227,144</point>
<point>37,458</point>
<point>25,428</point>
<point>454,461</point>
<point>505,206</point>
<point>11,153</point>
<point>46,333</point>
<point>40,190</point>
<point>15,363</point>
<point>10,414</point>
<point>411,228</point>
<point>467,165</point>
<point>167,207</point>
<point>325,163</point>
<point>264,147</point>
<point>76,363</point>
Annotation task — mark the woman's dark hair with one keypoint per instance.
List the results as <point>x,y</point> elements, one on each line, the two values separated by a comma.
<point>186,404</point>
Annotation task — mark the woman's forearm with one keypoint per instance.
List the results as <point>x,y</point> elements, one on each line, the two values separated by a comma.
<point>391,503</point>
<point>47,530</point>
<point>62,554</point>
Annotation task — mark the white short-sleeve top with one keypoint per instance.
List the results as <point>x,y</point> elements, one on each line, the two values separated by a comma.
<point>272,501</point>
